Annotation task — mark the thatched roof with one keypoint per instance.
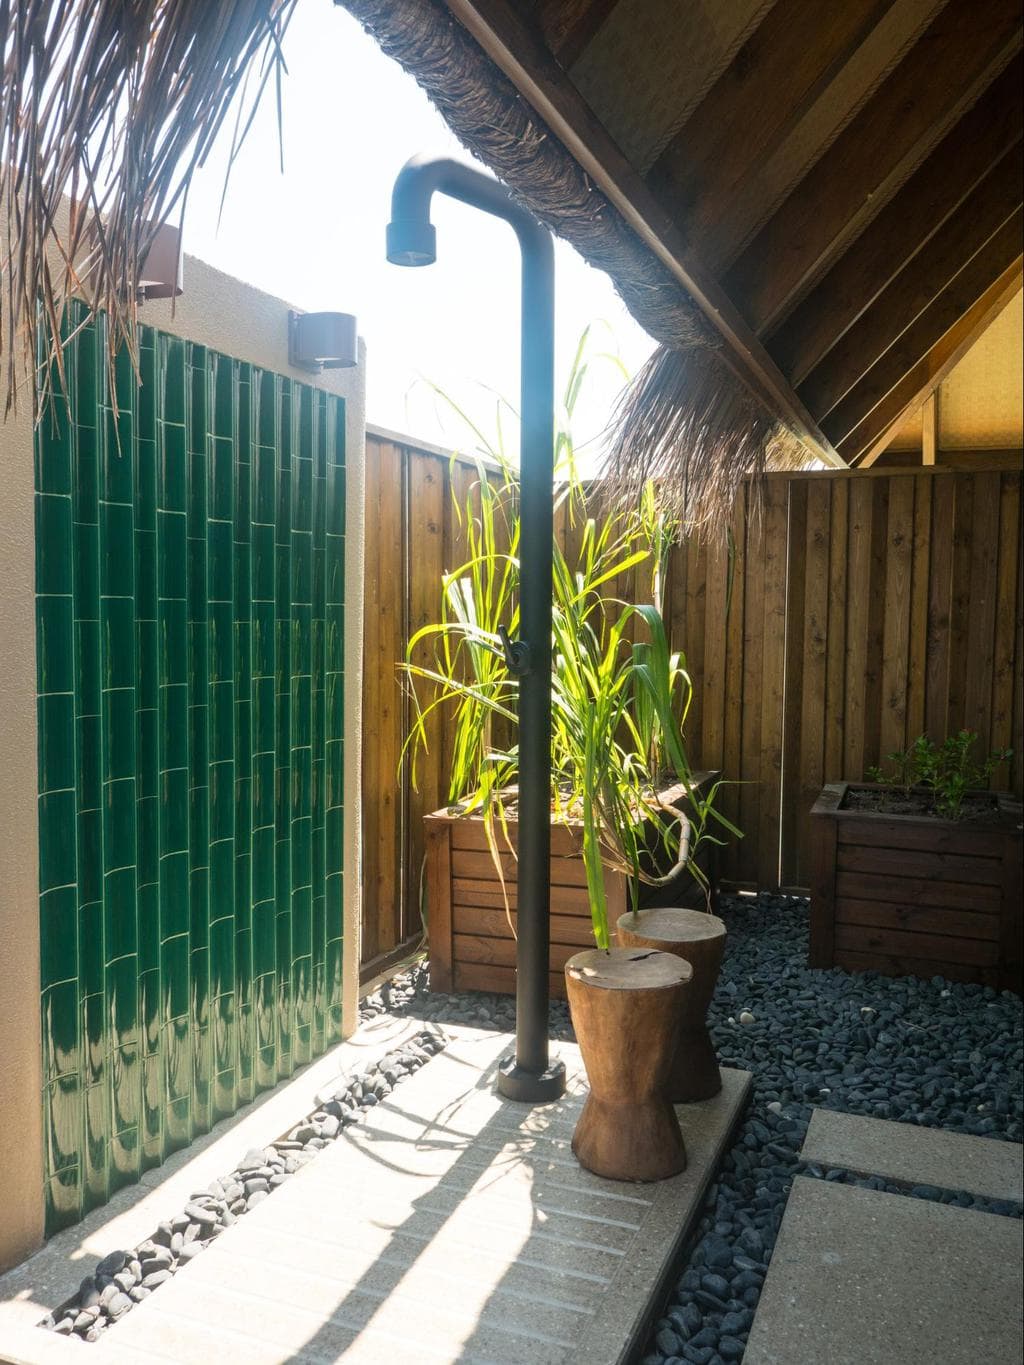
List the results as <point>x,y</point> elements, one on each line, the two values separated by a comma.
<point>813,208</point>
<point>113,105</point>
<point>832,194</point>
<point>687,420</point>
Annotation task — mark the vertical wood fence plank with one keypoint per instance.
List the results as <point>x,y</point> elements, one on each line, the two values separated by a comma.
<point>696,617</point>
<point>732,737</point>
<point>1006,615</point>
<point>960,604</point>
<point>750,717</point>
<point>772,696</point>
<point>383,703</point>
<point>876,624</point>
<point>918,666</point>
<point>1017,772</point>
<point>981,624</point>
<point>426,475</point>
<point>835,647</point>
<point>716,559</point>
<point>791,797</point>
<point>899,556</point>
<point>940,597</point>
<point>808,779</point>
<point>858,616</point>
<point>372,740</point>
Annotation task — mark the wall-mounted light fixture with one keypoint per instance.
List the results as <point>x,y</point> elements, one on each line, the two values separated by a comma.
<point>322,341</point>
<point>160,275</point>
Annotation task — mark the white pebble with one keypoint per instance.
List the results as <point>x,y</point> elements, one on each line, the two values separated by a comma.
<point>867,1009</point>
<point>747,1018</point>
<point>775,1107</point>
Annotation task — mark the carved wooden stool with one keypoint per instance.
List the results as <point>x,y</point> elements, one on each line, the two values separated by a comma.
<point>626,1005</point>
<point>698,938</point>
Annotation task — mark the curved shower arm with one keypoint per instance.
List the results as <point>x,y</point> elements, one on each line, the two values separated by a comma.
<point>411,236</point>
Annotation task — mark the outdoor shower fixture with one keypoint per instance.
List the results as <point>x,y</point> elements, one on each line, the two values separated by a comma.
<point>529,1075</point>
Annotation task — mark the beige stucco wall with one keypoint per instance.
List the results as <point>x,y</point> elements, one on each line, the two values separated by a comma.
<point>238,320</point>
<point>21,1105</point>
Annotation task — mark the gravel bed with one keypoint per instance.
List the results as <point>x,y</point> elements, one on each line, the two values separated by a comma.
<point>124,1278</point>
<point>935,1053</point>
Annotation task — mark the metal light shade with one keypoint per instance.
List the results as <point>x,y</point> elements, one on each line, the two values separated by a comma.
<point>322,341</point>
<point>160,275</point>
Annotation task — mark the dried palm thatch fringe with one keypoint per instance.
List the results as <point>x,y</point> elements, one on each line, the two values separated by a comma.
<point>696,438</point>
<point>687,419</point>
<point>112,104</point>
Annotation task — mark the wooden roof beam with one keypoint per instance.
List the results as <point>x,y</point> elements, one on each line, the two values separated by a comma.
<point>772,82</point>
<point>924,277</point>
<point>517,48</point>
<point>942,75</point>
<point>880,398</point>
<point>569,25</point>
<point>921,206</point>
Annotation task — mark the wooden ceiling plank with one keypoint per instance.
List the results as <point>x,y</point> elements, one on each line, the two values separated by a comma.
<point>921,206</point>
<point>955,59</point>
<point>518,50</point>
<point>568,26</point>
<point>772,82</point>
<point>920,281</point>
<point>881,396</point>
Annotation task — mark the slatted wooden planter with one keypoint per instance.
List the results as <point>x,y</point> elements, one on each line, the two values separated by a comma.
<point>471,945</point>
<point>912,895</point>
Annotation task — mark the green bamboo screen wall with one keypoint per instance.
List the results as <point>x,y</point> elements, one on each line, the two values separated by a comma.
<point>189,577</point>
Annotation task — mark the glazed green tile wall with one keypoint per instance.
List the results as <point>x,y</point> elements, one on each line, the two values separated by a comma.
<point>190,589</point>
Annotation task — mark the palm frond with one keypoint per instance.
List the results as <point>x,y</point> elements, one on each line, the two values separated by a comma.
<point>110,106</point>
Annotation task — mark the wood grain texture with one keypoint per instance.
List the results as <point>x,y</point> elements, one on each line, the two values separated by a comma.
<point>857,561</point>
<point>912,290</point>
<point>948,67</point>
<point>909,388</point>
<point>919,208</point>
<point>517,47</point>
<point>949,307</point>
<point>771,83</point>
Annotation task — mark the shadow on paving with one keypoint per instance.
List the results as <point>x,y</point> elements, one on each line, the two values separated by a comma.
<point>545,1284</point>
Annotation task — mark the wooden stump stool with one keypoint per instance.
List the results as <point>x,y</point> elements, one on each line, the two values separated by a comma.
<point>698,938</point>
<point>626,1006</point>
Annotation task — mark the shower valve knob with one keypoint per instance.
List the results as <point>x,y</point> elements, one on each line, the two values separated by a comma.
<point>517,653</point>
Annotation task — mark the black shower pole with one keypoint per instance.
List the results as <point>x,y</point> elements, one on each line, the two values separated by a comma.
<point>529,1074</point>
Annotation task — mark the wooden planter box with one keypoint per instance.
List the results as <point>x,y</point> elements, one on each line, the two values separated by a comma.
<point>912,895</point>
<point>471,946</point>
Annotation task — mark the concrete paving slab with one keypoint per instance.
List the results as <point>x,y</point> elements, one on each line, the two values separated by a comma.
<point>860,1277</point>
<point>42,1282</point>
<point>917,1156</point>
<point>449,1225</point>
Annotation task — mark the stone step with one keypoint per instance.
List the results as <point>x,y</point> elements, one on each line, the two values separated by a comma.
<point>860,1277</point>
<point>909,1154</point>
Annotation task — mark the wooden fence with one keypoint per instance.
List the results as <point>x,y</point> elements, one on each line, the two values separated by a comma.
<point>850,613</point>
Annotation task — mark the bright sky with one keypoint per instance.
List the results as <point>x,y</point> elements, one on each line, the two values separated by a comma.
<point>315,236</point>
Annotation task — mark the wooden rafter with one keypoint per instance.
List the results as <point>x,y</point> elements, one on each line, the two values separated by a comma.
<point>569,25</point>
<point>939,186</point>
<point>943,74</point>
<point>922,279</point>
<point>769,86</point>
<point>917,380</point>
<point>517,48</point>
